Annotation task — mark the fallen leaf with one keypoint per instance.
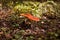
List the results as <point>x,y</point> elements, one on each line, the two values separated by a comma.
<point>1,33</point>
<point>8,36</point>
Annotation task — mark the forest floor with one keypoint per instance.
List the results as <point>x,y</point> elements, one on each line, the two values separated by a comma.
<point>46,29</point>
